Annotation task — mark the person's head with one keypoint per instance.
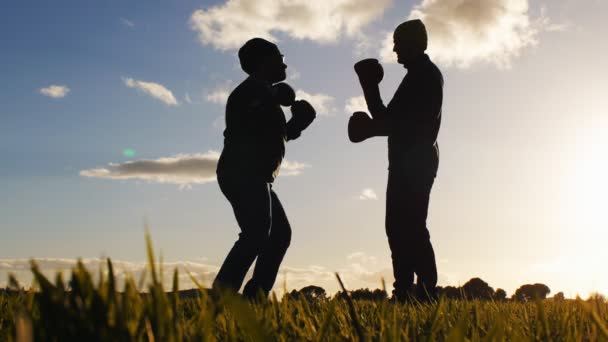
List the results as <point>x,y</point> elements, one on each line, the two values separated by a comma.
<point>410,41</point>
<point>263,59</point>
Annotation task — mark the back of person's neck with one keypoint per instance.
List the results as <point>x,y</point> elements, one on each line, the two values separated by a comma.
<point>415,61</point>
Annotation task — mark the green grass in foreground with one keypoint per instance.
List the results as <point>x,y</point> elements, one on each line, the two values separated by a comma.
<point>93,312</point>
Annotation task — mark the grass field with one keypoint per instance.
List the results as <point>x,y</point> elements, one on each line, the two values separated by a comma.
<point>97,311</point>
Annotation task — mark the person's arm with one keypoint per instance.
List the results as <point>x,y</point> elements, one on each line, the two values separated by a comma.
<point>380,128</point>
<point>374,102</point>
<point>370,75</point>
<point>293,132</point>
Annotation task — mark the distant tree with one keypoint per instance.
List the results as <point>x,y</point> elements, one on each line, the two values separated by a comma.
<point>559,296</point>
<point>450,292</point>
<point>477,289</point>
<point>313,292</point>
<point>310,293</point>
<point>531,291</point>
<point>500,295</point>
<point>367,294</point>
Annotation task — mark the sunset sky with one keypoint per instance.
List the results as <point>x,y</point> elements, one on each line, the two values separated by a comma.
<point>112,116</point>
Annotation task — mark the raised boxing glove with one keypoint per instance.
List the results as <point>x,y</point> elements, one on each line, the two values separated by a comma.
<point>369,71</point>
<point>283,94</point>
<point>303,114</point>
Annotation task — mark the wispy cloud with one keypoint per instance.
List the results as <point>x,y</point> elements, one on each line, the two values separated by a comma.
<point>55,91</point>
<point>219,95</point>
<point>295,168</point>
<point>464,32</point>
<point>182,169</point>
<point>229,25</point>
<point>293,74</point>
<point>355,104</point>
<point>127,22</point>
<point>368,194</point>
<point>156,90</point>
<point>322,103</point>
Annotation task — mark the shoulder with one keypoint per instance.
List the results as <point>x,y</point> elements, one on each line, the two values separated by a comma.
<point>434,72</point>
<point>249,90</point>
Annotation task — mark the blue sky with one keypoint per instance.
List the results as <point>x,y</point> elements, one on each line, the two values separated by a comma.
<point>519,192</point>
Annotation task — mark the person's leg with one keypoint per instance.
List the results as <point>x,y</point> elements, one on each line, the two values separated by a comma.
<point>271,256</point>
<point>418,188</point>
<point>403,267</point>
<point>251,205</point>
<point>422,249</point>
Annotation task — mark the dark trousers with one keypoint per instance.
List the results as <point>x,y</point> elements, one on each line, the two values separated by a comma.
<point>265,235</point>
<point>407,202</point>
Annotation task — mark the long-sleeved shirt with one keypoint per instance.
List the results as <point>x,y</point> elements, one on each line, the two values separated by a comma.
<point>255,134</point>
<point>413,116</point>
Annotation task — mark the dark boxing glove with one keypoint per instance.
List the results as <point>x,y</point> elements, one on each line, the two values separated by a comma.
<point>360,127</point>
<point>283,94</point>
<point>369,71</point>
<point>303,114</point>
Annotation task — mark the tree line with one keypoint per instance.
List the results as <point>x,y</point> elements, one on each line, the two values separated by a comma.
<point>475,288</point>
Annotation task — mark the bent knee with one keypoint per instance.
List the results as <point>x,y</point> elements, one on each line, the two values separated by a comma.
<point>253,238</point>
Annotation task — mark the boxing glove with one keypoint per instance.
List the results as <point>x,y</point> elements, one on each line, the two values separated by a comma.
<point>283,94</point>
<point>303,114</point>
<point>360,127</point>
<point>369,71</point>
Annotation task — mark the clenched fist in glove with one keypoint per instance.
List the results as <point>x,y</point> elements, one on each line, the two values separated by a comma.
<point>370,74</point>
<point>359,127</point>
<point>283,94</point>
<point>303,114</point>
<point>369,71</point>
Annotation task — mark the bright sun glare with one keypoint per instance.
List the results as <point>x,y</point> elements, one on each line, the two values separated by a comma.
<point>585,209</point>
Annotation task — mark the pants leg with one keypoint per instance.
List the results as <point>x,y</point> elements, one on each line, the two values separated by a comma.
<point>251,203</point>
<point>271,256</point>
<point>407,201</point>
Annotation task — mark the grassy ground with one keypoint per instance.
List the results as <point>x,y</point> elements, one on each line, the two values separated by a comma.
<point>97,311</point>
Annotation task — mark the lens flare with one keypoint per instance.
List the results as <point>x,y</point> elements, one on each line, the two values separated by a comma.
<point>128,152</point>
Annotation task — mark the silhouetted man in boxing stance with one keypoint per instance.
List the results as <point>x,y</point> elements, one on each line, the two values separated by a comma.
<point>254,146</point>
<point>411,121</point>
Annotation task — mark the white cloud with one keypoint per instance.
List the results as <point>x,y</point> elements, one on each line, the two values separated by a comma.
<point>219,123</point>
<point>187,98</point>
<point>322,103</point>
<point>127,22</point>
<point>368,194</point>
<point>293,74</point>
<point>355,104</point>
<point>182,169</point>
<point>464,32</point>
<point>155,90</point>
<point>220,94</point>
<point>229,25</point>
<point>55,91</point>
<point>289,168</point>
<point>362,257</point>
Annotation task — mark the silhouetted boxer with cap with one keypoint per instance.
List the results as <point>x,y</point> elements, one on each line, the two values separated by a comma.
<point>411,121</point>
<point>254,146</point>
